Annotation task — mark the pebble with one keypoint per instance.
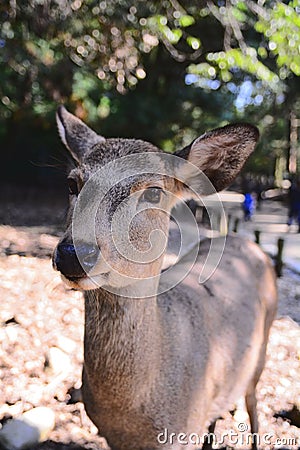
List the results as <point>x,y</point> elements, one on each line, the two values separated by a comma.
<point>280,390</point>
<point>240,416</point>
<point>66,344</point>
<point>285,382</point>
<point>12,332</point>
<point>57,362</point>
<point>30,428</point>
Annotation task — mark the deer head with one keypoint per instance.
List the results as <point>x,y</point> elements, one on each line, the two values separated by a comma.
<point>122,192</point>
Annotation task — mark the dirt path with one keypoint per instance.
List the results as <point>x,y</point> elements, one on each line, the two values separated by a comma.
<point>38,314</point>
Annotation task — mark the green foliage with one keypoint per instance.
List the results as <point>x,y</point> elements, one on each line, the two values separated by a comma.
<point>186,21</point>
<point>110,42</point>
<point>165,71</point>
<point>282,31</point>
<point>278,37</point>
<point>221,63</point>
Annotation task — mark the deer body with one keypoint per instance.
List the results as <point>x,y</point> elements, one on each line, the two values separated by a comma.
<point>177,360</point>
<point>150,364</point>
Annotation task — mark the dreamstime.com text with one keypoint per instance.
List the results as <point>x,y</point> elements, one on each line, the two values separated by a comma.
<point>232,438</point>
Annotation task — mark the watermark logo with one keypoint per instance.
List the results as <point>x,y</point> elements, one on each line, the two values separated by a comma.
<point>108,212</point>
<point>236,439</point>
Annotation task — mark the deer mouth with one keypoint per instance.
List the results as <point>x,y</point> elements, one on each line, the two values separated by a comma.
<point>85,282</point>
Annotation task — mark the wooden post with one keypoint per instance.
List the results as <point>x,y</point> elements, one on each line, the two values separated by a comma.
<point>279,262</point>
<point>223,224</point>
<point>293,150</point>
<point>236,225</point>
<point>257,236</point>
<point>229,222</point>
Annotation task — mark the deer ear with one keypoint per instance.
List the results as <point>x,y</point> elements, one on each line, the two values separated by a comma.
<point>76,135</point>
<point>220,154</point>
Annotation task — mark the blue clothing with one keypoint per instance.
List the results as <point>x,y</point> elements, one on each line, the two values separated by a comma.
<point>248,206</point>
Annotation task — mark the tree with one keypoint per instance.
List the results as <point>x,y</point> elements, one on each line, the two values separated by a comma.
<point>165,71</point>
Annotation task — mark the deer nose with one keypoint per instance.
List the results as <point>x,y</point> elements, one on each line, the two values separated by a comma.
<point>75,263</point>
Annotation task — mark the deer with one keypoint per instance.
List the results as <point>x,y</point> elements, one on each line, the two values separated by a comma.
<point>161,361</point>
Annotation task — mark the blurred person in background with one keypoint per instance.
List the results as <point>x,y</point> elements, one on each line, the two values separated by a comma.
<point>248,206</point>
<point>294,203</point>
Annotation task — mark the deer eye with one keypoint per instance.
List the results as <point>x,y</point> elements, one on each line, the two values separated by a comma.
<point>73,187</point>
<point>152,195</point>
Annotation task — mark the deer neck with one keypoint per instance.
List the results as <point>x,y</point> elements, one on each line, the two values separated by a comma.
<point>121,337</point>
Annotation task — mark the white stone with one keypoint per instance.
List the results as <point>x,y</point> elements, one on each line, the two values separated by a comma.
<point>41,417</point>
<point>66,344</point>
<point>58,361</point>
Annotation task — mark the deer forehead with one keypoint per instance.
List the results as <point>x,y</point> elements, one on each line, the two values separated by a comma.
<point>129,185</point>
<point>111,150</point>
<point>114,148</point>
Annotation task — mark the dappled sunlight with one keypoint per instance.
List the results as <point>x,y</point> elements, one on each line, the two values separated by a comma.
<point>165,72</point>
<point>39,314</point>
<point>269,218</point>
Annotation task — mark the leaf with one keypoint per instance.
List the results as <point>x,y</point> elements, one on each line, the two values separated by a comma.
<point>186,20</point>
<point>177,34</point>
<point>262,52</point>
<point>239,15</point>
<point>242,6</point>
<point>193,42</point>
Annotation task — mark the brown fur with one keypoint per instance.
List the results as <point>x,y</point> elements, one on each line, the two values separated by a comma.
<point>181,359</point>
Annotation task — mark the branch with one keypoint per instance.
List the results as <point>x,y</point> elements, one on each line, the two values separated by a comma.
<point>177,6</point>
<point>177,55</point>
<point>227,38</point>
<point>13,7</point>
<point>236,29</point>
<point>257,9</point>
<point>215,11</point>
<point>230,24</point>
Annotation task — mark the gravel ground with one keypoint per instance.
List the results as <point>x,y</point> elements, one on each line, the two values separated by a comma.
<point>38,314</point>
